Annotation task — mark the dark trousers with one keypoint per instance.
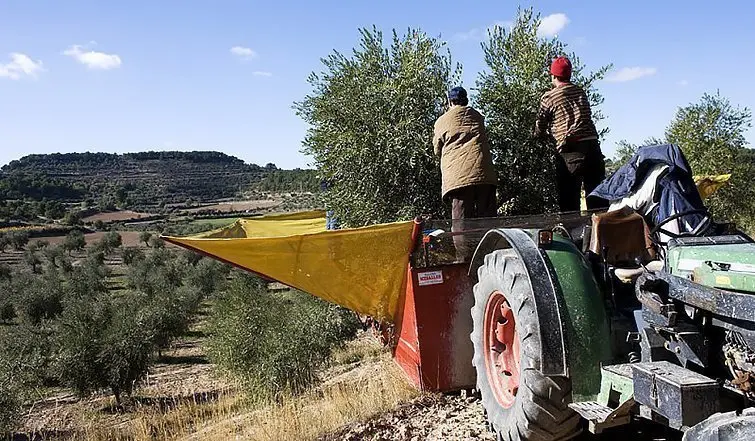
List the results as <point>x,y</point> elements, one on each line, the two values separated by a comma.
<point>580,163</point>
<point>467,203</point>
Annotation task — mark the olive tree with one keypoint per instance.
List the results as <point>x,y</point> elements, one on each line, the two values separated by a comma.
<point>74,241</point>
<point>711,132</point>
<point>508,94</point>
<point>371,116</point>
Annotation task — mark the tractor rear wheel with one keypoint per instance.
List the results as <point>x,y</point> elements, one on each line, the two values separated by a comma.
<point>522,404</point>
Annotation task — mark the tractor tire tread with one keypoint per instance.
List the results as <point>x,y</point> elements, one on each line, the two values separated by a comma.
<point>540,412</point>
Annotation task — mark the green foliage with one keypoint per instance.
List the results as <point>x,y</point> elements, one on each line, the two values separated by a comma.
<point>371,119</point>
<point>87,281</point>
<point>711,134</point>
<point>37,298</point>
<point>274,342</point>
<point>131,255</point>
<point>32,259</point>
<point>72,331</point>
<point>109,242</point>
<point>145,236</point>
<point>290,180</point>
<point>6,273</point>
<point>72,218</point>
<point>74,241</point>
<point>4,242</point>
<point>509,93</point>
<point>156,242</point>
<point>7,310</point>
<point>10,407</point>
<point>108,180</point>
<point>209,276</point>
<point>55,256</point>
<point>18,239</point>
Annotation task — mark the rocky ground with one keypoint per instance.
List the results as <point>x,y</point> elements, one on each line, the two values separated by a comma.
<point>456,417</point>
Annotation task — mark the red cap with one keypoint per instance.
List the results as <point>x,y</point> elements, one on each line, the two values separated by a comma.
<point>561,68</point>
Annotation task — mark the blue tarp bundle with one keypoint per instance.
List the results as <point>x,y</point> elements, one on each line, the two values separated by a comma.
<point>677,194</point>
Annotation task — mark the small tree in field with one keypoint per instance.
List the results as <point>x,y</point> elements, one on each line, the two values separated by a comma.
<point>131,255</point>
<point>102,345</point>
<point>711,133</point>
<point>74,241</point>
<point>371,117</point>
<point>6,273</point>
<point>18,239</point>
<point>156,242</point>
<point>4,242</point>
<point>32,259</point>
<point>145,236</point>
<point>508,94</point>
<point>109,242</point>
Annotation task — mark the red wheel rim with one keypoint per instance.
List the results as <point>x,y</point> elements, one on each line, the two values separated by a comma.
<point>501,343</point>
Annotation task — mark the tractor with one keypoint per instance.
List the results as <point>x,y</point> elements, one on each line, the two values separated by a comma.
<point>591,325</point>
<point>562,323</point>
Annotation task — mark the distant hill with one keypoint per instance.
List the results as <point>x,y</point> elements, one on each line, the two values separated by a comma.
<point>138,179</point>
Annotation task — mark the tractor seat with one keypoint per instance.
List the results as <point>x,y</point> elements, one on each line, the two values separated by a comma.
<point>622,239</point>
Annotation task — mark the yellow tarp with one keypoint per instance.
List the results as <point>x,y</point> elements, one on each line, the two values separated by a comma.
<point>708,184</point>
<point>362,269</point>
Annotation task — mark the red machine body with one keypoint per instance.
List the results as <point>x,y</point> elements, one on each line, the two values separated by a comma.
<point>432,335</point>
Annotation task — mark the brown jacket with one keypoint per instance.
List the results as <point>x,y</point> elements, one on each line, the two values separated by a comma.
<point>462,143</point>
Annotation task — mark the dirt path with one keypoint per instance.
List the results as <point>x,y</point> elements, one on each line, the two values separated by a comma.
<point>430,417</point>
<point>452,418</point>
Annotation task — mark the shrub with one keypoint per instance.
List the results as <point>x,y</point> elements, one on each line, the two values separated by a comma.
<point>109,242</point>
<point>208,275</point>
<point>18,239</point>
<point>156,242</point>
<point>6,273</point>
<point>131,255</point>
<point>145,236</point>
<point>267,340</point>
<point>4,242</point>
<point>102,345</point>
<point>37,298</point>
<point>10,408</point>
<point>7,310</point>
<point>32,259</point>
<point>87,280</point>
<point>74,241</point>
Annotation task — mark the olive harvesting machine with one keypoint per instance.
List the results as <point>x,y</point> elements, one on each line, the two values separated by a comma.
<point>574,322</point>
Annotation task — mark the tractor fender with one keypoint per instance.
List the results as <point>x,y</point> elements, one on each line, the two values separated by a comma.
<point>569,304</point>
<point>548,303</point>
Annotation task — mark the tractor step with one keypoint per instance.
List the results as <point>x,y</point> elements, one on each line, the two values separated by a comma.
<point>602,417</point>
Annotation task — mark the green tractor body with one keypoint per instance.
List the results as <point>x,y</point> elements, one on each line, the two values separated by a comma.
<point>726,262</point>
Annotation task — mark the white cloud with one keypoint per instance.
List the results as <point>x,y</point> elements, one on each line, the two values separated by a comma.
<point>259,73</point>
<point>579,41</point>
<point>92,59</point>
<point>243,52</point>
<point>478,34</point>
<point>552,24</point>
<point>630,74</point>
<point>20,65</point>
<point>472,34</point>
<point>683,83</point>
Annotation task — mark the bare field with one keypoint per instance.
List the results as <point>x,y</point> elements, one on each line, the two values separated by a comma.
<point>237,206</point>
<point>116,216</point>
<point>129,238</point>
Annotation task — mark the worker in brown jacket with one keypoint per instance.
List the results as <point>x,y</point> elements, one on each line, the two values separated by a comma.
<point>469,179</point>
<point>565,115</point>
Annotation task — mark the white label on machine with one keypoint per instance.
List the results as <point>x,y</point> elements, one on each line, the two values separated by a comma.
<point>430,278</point>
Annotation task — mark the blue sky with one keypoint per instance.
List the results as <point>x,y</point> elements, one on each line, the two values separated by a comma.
<point>156,75</point>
